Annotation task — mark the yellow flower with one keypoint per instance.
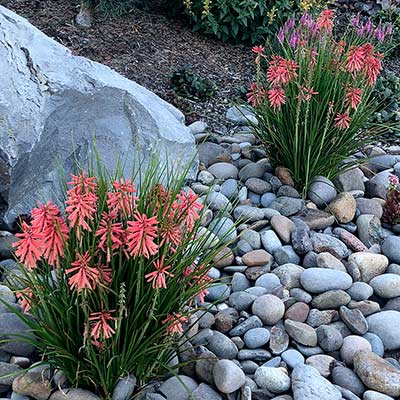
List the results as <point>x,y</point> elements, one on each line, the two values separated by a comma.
<point>206,7</point>
<point>272,14</point>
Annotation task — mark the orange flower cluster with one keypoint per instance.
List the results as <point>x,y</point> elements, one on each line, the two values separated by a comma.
<point>120,229</point>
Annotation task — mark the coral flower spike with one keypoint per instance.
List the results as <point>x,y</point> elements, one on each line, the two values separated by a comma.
<point>157,277</point>
<point>343,121</point>
<point>141,234</point>
<point>85,277</point>
<point>100,324</point>
<point>28,248</point>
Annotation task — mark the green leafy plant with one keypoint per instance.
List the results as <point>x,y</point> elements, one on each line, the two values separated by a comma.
<point>187,83</point>
<point>387,94</point>
<point>112,279</point>
<point>242,21</point>
<point>312,98</point>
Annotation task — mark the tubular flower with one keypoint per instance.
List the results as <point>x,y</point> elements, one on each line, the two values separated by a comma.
<point>170,232</point>
<point>256,94</point>
<point>85,276</point>
<point>26,296</point>
<point>325,20</point>
<point>281,71</point>
<point>372,68</point>
<point>343,121</point>
<point>174,323</point>
<point>81,202</point>
<point>353,97</point>
<point>157,277</point>
<point>82,184</point>
<point>259,50</point>
<point>28,248</point>
<point>276,97</point>
<point>100,325</point>
<point>305,93</point>
<point>355,59</point>
<point>122,199</point>
<point>188,206</point>
<point>110,232</point>
<point>48,222</point>
<point>141,234</point>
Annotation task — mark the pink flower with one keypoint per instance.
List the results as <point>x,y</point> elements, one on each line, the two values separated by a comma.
<point>188,205</point>
<point>82,184</point>
<point>122,198</point>
<point>28,248</point>
<point>26,296</point>
<point>100,324</point>
<point>170,232</point>
<point>141,234</point>
<point>343,121</point>
<point>355,59</point>
<point>281,71</point>
<point>174,323</point>
<point>85,276</point>
<point>325,20</point>
<point>47,222</point>
<point>110,232</point>
<point>276,97</point>
<point>353,97</point>
<point>305,93</point>
<point>258,49</point>
<point>157,277</point>
<point>256,94</point>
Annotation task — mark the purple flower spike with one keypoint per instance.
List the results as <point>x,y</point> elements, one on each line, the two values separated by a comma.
<point>389,29</point>
<point>369,27</point>
<point>304,19</point>
<point>380,34</point>
<point>356,21</point>
<point>291,23</point>
<point>281,36</point>
<point>294,39</point>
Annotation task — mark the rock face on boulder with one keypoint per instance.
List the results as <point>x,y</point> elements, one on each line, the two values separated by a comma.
<point>54,105</point>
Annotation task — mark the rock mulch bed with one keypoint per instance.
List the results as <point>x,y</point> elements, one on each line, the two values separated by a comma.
<point>308,307</point>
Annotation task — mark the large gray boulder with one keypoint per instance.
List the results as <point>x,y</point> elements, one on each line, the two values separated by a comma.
<point>52,106</point>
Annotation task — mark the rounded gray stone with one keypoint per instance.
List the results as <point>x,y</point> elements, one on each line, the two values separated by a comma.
<point>319,280</point>
<point>292,357</point>
<point>270,309</point>
<point>386,286</point>
<point>329,338</point>
<point>223,170</point>
<point>307,383</point>
<point>256,337</point>
<point>360,291</point>
<point>348,379</point>
<point>322,191</point>
<point>178,387</point>
<point>275,380</point>
<point>228,377</point>
<point>386,325</point>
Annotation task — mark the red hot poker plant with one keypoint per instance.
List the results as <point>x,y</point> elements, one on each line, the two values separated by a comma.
<point>312,97</point>
<point>112,279</point>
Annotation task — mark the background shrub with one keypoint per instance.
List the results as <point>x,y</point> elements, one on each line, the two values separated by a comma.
<point>241,21</point>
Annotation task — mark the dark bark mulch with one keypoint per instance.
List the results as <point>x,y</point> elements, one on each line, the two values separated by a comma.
<point>147,47</point>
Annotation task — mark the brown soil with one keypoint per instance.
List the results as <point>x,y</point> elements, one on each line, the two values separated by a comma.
<point>147,48</point>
